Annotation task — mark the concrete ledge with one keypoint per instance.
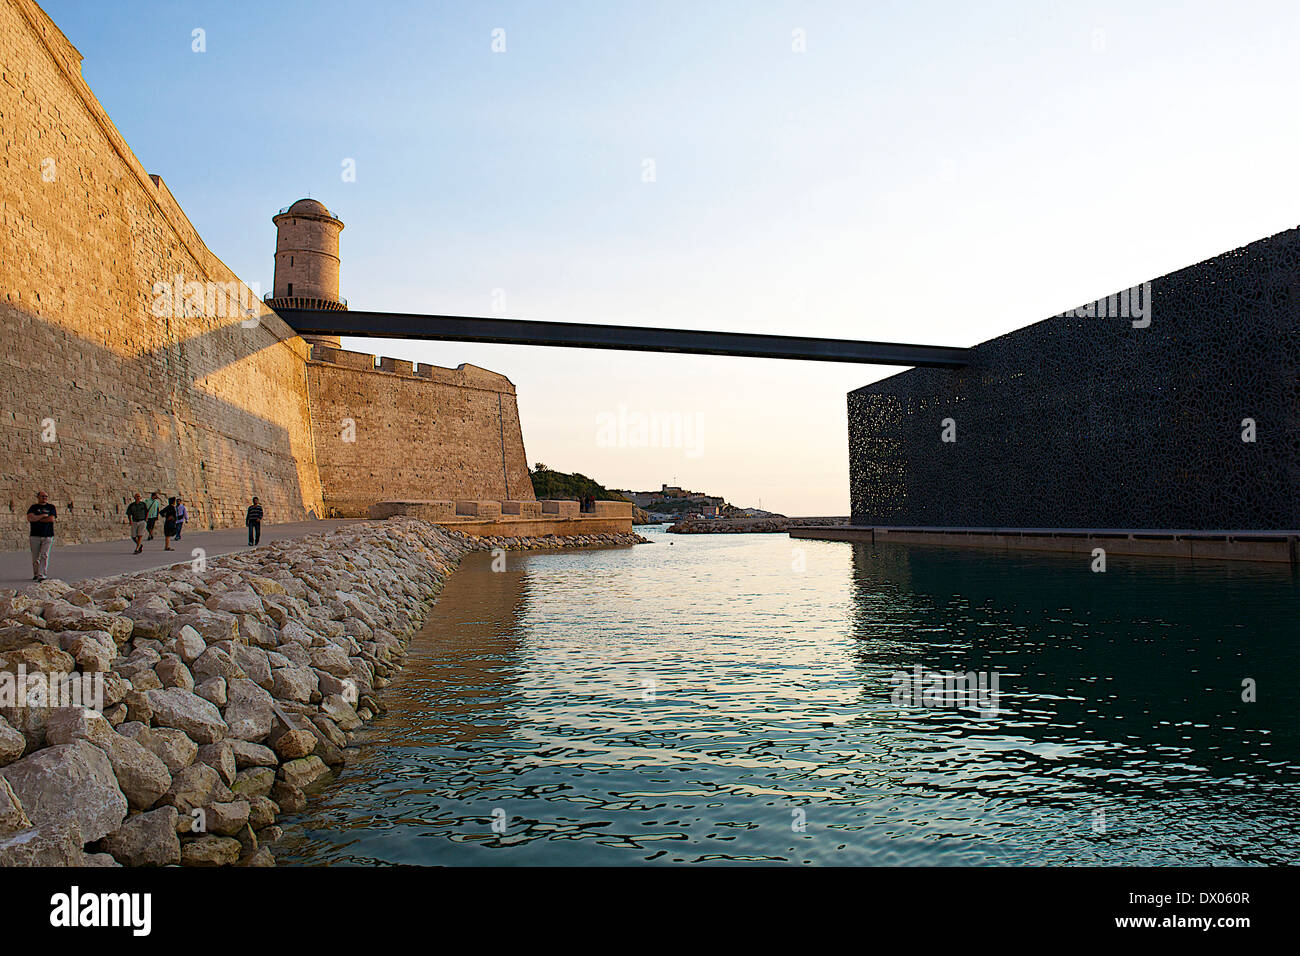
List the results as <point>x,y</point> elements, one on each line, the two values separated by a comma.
<point>1282,547</point>
<point>511,519</point>
<point>430,510</point>
<point>510,527</point>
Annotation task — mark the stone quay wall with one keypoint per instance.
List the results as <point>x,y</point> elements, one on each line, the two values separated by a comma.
<point>473,541</point>
<point>515,519</point>
<point>109,382</point>
<point>389,429</point>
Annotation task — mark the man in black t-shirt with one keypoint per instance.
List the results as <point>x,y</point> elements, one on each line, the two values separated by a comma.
<point>137,515</point>
<point>40,517</point>
<point>253,518</point>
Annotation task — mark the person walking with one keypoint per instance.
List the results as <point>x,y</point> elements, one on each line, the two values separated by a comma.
<point>169,524</point>
<point>182,516</point>
<point>137,516</point>
<point>155,505</point>
<point>40,519</point>
<point>253,518</point>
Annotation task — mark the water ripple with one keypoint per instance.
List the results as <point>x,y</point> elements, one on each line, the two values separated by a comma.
<point>703,703</point>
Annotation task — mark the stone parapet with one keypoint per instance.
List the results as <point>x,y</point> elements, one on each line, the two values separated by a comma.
<point>462,376</point>
<point>431,510</point>
<point>510,527</point>
<point>511,518</point>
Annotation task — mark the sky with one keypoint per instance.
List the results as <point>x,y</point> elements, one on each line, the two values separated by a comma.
<point>937,173</point>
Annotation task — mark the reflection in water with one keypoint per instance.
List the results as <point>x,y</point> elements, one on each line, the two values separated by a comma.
<point>702,700</point>
<point>467,681</point>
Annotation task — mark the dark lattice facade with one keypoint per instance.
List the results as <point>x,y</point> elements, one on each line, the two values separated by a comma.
<point>1079,422</point>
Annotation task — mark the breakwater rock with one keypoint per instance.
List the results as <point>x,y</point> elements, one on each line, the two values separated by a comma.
<point>729,525</point>
<point>776,523</point>
<point>211,700</point>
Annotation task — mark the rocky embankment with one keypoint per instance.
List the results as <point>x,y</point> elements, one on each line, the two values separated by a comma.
<point>750,525</point>
<point>227,693</point>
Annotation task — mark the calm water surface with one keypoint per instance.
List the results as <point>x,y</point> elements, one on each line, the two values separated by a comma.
<point>704,701</point>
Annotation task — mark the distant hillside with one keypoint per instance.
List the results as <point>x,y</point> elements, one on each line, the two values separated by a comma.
<point>557,484</point>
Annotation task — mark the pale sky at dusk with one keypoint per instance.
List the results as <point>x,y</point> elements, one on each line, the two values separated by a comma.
<point>924,172</point>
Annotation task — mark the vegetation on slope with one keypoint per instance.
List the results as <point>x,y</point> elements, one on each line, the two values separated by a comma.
<point>557,484</point>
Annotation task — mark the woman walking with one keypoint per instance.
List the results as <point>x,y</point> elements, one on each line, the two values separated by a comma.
<point>170,530</point>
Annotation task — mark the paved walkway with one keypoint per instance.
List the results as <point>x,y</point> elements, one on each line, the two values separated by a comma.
<point>74,562</point>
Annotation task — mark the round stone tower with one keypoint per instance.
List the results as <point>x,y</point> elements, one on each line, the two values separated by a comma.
<point>307,262</point>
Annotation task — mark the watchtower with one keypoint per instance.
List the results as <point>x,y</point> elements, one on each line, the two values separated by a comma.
<point>307,262</point>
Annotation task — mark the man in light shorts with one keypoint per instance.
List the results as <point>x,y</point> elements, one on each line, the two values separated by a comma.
<point>137,516</point>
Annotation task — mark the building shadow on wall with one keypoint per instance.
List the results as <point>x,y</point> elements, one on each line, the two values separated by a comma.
<point>91,426</point>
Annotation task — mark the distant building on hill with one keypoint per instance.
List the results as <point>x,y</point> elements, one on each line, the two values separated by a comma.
<point>676,500</point>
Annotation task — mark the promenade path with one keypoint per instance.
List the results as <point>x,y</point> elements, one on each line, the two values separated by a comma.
<point>75,562</point>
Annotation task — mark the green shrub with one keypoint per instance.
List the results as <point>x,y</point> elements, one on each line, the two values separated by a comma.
<point>558,485</point>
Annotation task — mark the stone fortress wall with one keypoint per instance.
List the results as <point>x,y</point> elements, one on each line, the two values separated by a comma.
<point>387,429</point>
<point>115,377</point>
<point>101,396</point>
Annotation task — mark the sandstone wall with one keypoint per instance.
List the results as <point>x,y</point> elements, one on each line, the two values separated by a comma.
<point>191,402</point>
<point>416,432</point>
